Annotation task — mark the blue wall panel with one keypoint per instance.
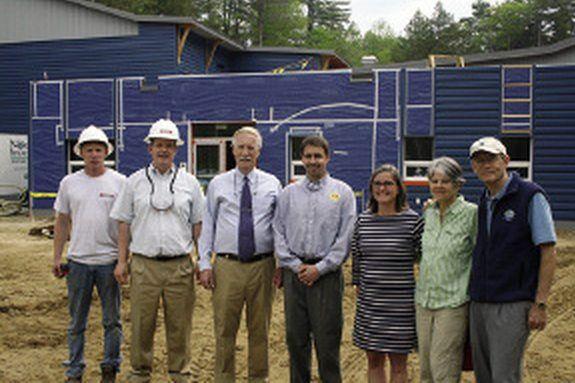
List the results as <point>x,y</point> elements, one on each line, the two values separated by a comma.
<point>554,137</point>
<point>47,100</point>
<point>233,98</point>
<point>90,102</point>
<point>350,146</point>
<point>47,157</point>
<point>419,85</point>
<point>388,94</point>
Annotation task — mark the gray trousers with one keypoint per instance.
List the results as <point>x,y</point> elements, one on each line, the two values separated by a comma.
<point>314,312</point>
<point>499,332</point>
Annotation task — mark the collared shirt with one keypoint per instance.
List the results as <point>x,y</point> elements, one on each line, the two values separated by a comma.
<point>447,247</point>
<point>540,216</point>
<point>314,220</point>
<point>160,232</point>
<point>222,216</point>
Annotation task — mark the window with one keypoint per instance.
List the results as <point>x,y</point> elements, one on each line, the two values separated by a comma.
<point>296,136</point>
<point>417,155</point>
<point>519,151</point>
<point>76,163</point>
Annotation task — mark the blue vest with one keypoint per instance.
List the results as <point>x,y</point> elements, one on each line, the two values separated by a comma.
<point>505,264</point>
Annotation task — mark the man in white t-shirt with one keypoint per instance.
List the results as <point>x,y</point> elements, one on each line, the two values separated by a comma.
<point>82,207</point>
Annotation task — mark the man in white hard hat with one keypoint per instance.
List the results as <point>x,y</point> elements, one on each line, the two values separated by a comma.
<point>237,227</point>
<point>83,205</point>
<point>160,209</point>
<point>513,265</point>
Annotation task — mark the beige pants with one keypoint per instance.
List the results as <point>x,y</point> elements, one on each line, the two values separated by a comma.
<point>173,282</point>
<point>441,336</point>
<point>239,284</point>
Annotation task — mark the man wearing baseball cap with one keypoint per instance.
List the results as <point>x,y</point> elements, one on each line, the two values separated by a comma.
<point>160,209</point>
<point>82,208</point>
<point>513,265</point>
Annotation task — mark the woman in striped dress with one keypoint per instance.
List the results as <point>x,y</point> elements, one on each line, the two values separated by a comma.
<point>384,247</point>
<point>442,288</point>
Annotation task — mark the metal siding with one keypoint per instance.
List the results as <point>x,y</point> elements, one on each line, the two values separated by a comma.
<point>41,20</point>
<point>152,52</point>
<point>554,137</point>
<point>467,107</point>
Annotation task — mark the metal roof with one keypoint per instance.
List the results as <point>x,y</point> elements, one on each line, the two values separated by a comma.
<point>496,57</point>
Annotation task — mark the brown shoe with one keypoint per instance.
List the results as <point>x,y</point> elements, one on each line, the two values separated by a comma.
<point>74,379</point>
<point>108,374</point>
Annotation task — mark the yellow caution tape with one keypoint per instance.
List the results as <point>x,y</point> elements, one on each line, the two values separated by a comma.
<point>43,195</point>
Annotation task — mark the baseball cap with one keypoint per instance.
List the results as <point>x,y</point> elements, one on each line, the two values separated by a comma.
<point>489,145</point>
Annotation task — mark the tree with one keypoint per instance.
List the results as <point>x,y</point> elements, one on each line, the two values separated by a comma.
<point>282,23</point>
<point>419,38</point>
<point>330,14</point>
<point>381,42</point>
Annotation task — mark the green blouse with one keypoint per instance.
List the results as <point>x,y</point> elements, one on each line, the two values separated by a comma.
<point>445,263</point>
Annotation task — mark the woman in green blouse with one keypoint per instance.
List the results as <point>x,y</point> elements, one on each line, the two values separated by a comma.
<point>442,288</point>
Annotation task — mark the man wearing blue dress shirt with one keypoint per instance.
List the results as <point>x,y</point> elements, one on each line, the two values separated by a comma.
<point>237,227</point>
<point>313,227</point>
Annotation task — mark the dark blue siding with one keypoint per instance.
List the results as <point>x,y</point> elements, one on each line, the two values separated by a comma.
<point>152,52</point>
<point>554,137</point>
<point>467,107</point>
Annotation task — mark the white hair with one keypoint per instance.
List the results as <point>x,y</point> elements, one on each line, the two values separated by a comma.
<point>248,130</point>
<point>449,167</point>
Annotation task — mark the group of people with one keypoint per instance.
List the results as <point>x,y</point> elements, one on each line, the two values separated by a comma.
<point>252,237</point>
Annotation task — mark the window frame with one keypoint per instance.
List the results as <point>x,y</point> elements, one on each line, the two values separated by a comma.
<point>416,163</point>
<point>521,164</point>
<point>291,164</point>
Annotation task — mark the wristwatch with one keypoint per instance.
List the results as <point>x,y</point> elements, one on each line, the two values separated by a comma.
<point>541,305</point>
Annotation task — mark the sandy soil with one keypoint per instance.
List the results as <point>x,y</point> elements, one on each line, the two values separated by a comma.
<point>33,319</point>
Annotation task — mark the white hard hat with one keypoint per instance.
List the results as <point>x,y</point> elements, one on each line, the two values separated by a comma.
<point>487,144</point>
<point>92,134</point>
<point>164,129</point>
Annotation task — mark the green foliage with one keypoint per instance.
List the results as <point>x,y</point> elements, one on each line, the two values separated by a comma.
<point>325,24</point>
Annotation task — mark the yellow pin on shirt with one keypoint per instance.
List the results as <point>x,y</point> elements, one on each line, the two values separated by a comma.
<point>334,196</point>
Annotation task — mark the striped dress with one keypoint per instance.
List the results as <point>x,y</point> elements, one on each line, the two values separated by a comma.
<point>384,249</point>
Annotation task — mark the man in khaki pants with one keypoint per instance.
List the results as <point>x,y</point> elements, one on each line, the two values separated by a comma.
<point>160,208</point>
<point>237,226</point>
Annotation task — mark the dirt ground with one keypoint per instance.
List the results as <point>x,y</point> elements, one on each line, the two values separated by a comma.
<point>33,320</point>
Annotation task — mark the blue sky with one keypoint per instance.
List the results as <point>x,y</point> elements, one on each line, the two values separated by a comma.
<point>397,13</point>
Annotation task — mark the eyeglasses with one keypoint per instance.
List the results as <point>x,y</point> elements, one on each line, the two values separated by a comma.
<point>161,204</point>
<point>378,184</point>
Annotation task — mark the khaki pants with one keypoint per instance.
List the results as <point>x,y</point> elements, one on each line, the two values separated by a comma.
<point>171,281</point>
<point>441,335</point>
<point>238,284</point>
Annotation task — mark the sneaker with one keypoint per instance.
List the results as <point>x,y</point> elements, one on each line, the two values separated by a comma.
<point>74,379</point>
<point>108,374</point>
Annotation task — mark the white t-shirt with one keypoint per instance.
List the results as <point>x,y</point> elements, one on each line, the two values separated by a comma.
<point>88,201</point>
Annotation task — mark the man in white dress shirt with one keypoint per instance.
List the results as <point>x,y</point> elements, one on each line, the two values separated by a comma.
<point>237,227</point>
<point>160,209</point>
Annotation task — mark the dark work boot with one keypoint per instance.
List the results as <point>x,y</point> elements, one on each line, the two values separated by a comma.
<point>108,374</point>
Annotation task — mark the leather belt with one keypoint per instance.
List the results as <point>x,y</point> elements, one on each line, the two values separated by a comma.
<point>163,258</point>
<point>310,261</point>
<point>255,258</point>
